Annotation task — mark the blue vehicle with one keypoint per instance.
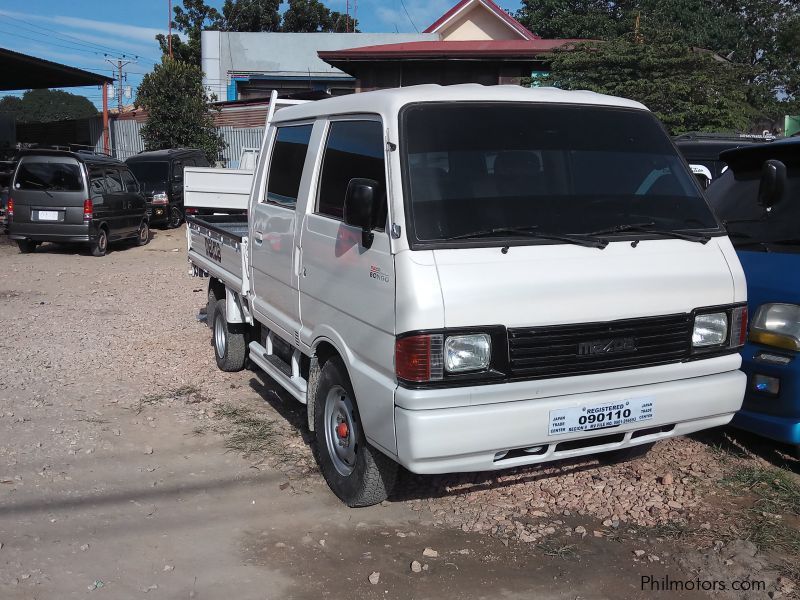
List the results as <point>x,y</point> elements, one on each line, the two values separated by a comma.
<point>758,200</point>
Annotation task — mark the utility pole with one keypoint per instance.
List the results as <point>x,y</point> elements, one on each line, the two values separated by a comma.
<point>118,68</point>
<point>169,38</point>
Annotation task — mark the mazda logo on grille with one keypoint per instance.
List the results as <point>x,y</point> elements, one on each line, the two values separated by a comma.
<point>607,346</point>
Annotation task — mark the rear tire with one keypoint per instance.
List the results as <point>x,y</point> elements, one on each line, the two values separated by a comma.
<point>100,245</point>
<point>27,246</point>
<point>230,349</point>
<point>175,217</point>
<point>356,472</point>
<point>143,237</point>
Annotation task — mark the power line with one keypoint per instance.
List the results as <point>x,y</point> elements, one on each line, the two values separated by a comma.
<point>403,4</point>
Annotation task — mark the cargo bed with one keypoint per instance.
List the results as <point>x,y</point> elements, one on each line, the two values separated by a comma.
<point>217,248</point>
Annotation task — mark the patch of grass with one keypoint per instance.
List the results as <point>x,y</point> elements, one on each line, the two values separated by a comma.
<point>670,530</point>
<point>153,399</point>
<point>564,552</point>
<point>250,433</point>
<point>771,533</point>
<point>777,492</point>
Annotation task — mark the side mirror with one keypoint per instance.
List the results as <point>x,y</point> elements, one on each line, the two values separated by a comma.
<point>361,207</point>
<point>773,182</point>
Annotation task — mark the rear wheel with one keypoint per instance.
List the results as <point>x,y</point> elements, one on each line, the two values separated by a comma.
<point>175,217</point>
<point>27,246</point>
<point>356,472</point>
<point>100,245</point>
<point>229,344</point>
<point>143,237</point>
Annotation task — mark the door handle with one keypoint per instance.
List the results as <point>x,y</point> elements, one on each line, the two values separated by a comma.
<point>259,237</point>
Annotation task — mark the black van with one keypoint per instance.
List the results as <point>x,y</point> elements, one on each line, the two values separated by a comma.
<point>161,174</point>
<point>67,197</point>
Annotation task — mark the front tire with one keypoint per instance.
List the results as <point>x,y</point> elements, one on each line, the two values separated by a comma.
<point>175,217</point>
<point>230,349</point>
<point>27,246</point>
<point>356,472</point>
<point>143,237</point>
<point>100,245</point>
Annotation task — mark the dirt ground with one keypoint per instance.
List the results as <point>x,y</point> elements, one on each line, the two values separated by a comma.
<point>130,467</point>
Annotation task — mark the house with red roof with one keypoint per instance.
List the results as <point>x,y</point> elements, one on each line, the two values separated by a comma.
<point>477,42</point>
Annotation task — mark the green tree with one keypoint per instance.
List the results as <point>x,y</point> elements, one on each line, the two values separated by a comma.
<point>309,16</point>
<point>251,15</point>
<point>43,106</point>
<point>179,113</point>
<point>191,19</point>
<point>688,90</point>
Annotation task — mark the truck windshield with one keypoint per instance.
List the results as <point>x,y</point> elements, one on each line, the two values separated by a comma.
<point>151,175</point>
<point>734,197</point>
<point>49,176</point>
<point>563,169</point>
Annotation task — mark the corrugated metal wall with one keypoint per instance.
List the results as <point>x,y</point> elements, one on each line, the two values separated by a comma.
<point>126,140</point>
<point>236,139</point>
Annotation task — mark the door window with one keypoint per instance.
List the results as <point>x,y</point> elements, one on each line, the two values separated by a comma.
<point>113,182</point>
<point>286,166</point>
<point>130,182</point>
<point>354,150</point>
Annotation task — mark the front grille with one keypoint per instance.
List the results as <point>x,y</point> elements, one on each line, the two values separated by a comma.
<point>565,350</point>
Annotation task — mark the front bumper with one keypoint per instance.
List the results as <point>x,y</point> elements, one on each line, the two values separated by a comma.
<point>776,417</point>
<point>469,438</point>
<point>157,214</point>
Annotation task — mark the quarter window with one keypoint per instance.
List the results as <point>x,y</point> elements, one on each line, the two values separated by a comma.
<point>286,166</point>
<point>113,182</point>
<point>354,150</point>
<point>129,181</point>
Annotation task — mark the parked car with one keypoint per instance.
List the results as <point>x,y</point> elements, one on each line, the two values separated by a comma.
<point>468,278</point>
<point>702,151</point>
<point>758,199</point>
<point>66,197</point>
<point>161,175</point>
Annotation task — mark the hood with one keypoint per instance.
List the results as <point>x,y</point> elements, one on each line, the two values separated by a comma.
<point>560,284</point>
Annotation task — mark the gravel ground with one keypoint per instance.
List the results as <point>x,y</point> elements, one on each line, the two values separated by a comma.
<point>100,355</point>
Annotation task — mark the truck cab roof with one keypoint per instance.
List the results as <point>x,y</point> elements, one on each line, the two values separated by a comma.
<point>390,101</point>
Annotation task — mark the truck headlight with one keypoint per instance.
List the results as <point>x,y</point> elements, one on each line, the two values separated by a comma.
<point>777,325</point>
<point>467,352</point>
<point>160,198</point>
<point>710,329</point>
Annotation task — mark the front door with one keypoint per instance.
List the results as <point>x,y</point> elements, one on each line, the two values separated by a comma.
<point>273,228</point>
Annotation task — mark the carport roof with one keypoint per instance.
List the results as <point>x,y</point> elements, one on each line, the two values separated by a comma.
<point>22,72</point>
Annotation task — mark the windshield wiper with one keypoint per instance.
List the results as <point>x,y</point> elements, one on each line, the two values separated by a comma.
<point>648,228</point>
<point>531,232</point>
<point>40,185</point>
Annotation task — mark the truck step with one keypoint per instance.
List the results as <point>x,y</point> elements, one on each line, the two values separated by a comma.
<point>279,370</point>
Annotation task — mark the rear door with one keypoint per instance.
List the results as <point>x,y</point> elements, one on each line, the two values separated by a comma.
<point>273,252</point>
<point>48,189</point>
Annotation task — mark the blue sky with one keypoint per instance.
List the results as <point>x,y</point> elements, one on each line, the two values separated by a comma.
<point>85,33</point>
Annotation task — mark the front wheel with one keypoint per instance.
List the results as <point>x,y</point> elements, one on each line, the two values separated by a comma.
<point>27,246</point>
<point>229,345</point>
<point>100,245</point>
<point>175,217</point>
<point>357,473</point>
<point>143,237</point>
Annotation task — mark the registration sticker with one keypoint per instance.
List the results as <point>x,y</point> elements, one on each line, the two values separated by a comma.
<point>600,416</point>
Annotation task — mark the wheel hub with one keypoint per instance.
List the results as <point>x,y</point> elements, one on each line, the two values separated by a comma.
<point>340,430</point>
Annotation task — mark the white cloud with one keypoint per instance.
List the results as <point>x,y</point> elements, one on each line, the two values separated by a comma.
<point>117,30</point>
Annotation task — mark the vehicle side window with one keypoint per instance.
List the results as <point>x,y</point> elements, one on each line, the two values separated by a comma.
<point>97,185</point>
<point>201,161</point>
<point>129,181</point>
<point>354,149</point>
<point>113,182</point>
<point>286,165</point>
